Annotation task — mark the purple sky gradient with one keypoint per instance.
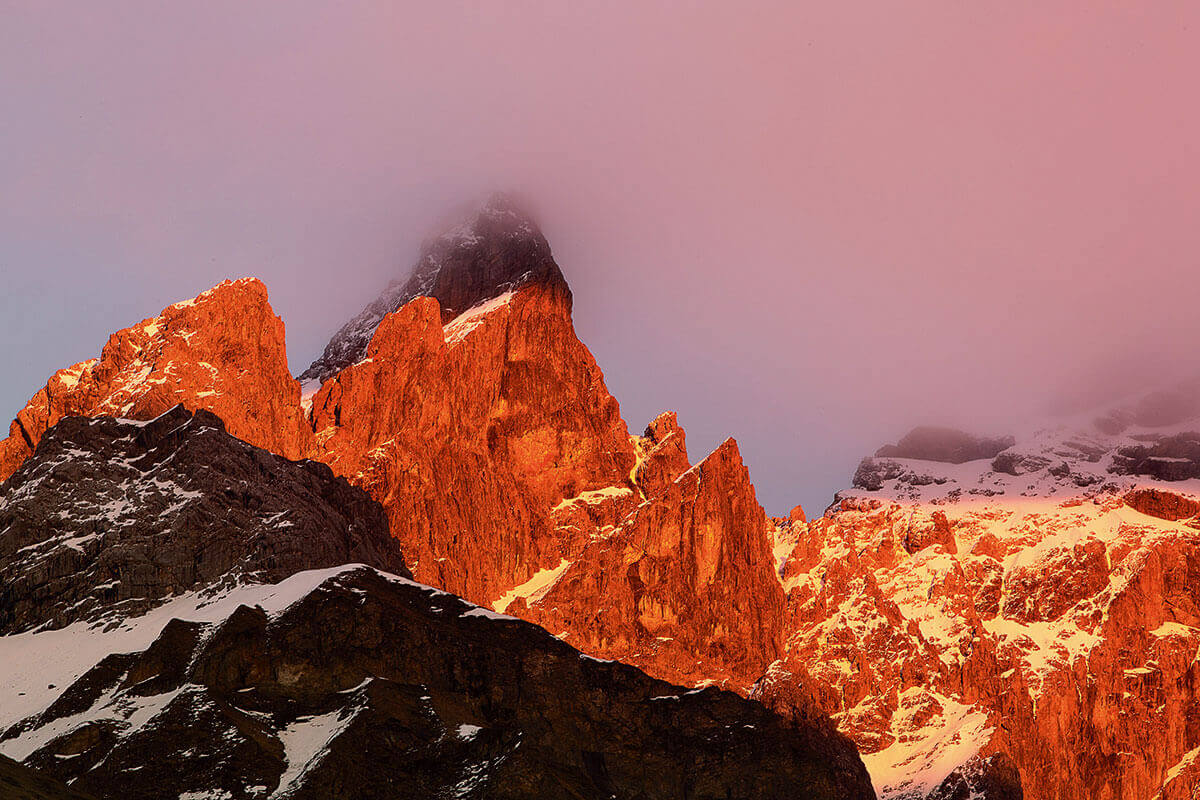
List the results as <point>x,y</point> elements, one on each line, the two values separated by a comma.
<point>809,226</point>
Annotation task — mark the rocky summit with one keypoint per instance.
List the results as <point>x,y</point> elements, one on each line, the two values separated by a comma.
<point>497,251</point>
<point>222,351</point>
<point>984,617</point>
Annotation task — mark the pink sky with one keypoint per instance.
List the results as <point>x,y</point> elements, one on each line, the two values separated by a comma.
<point>809,226</point>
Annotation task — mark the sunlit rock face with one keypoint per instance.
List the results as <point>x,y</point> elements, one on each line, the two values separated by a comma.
<point>510,478</point>
<point>982,616</point>
<point>1025,621</point>
<point>472,432</point>
<point>222,351</point>
<point>683,586</point>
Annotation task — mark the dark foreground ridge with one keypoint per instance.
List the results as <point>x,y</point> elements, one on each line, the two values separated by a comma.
<point>18,782</point>
<point>498,251</point>
<point>372,686</point>
<point>113,512</point>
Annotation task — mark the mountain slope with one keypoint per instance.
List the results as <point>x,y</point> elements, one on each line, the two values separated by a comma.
<point>343,681</point>
<point>120,514</point>
<point>22,783</point>
<point>1034,609</point>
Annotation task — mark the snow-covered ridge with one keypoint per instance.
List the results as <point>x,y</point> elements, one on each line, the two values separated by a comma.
<point>1068,460</point>
<point>35,667</point>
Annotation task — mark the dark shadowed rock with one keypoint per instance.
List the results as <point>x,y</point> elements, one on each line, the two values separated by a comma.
<point>498,251</point>
<point>112,511</point>
<point>372,686</point>
<point>871,473</point>
<point>945,444</point>
<point>18,782</point>
<point>992,778</point>
<point>1167,458</point>
<point>1012,463</point>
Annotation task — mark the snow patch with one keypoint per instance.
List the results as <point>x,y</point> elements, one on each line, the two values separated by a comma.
<point>467,732</point>
<point>308,390</point>
<point>594,496</point>
<point>36,666</point>
<point>486,614</point>
<point>305,742</point>
<point>919,760</point>
<point>533,589</point>
<point>462,325</point>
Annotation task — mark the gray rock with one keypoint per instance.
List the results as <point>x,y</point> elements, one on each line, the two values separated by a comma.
<point>1167,458</point>
<point>946,445</point>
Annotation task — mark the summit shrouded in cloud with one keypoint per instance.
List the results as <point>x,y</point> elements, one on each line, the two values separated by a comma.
<point>491,503</point>
<point>818,225</point>
<point>493,250</point>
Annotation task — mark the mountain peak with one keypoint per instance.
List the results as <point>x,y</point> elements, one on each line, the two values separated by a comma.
<point>495,249</point>
<point>222,350</point>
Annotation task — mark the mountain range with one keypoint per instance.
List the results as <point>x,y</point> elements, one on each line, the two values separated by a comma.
<point>438,564</point>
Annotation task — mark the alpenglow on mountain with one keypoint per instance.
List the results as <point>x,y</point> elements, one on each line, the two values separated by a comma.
<point>447,567</point>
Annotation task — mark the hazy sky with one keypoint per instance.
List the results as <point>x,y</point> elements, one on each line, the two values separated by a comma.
<point>806,225</point>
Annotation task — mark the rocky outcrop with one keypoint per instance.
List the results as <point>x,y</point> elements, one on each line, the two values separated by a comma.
<point>992,778</point>
<point>993,646</point>
<point>1016,464</point>
<point>873,473</point>
<point>355,683</point>
<point>222,351</point>
<point>1164,458</point>
<point>1162,504</point>
<point>500,250</point>
<point>685,587</point>
<point>117,515</point>
<point>661,455</point>
<point>470,433</point>
<point>944,444</point>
